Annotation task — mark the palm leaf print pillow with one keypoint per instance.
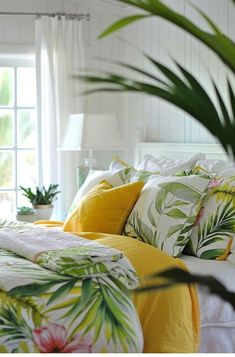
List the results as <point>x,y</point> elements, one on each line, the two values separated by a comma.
<point>214,229</point>
<point>166,210</point>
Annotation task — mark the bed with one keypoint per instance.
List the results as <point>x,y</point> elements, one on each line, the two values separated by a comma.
<point>64,291</point>
<point>217,316</point>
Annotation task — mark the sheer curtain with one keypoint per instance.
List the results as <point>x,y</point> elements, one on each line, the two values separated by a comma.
<point>59,53</point>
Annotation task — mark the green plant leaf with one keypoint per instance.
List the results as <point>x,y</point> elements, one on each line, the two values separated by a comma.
<point>175,276</point>
<point>182,191</point>
<point>160,198</point>
<point>212,254</point>
<point>150,215</point>
<point>122,23</point>
<point>218,42</point>
<point>63,290</point>
<point>173,229</point>
<point>176,213</point>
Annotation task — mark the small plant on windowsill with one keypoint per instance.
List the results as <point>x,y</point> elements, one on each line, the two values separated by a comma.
<point>25,214</point>
<point>42,199</point>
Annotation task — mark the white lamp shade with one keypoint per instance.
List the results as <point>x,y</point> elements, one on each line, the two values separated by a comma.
<point>92,132</point>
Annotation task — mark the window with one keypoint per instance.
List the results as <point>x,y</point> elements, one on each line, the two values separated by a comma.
<point>18,132</point>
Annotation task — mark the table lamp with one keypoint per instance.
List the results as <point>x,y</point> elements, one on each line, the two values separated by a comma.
<point>92,132</point>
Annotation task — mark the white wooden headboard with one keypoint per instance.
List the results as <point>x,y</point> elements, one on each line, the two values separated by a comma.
<point>179,150</point>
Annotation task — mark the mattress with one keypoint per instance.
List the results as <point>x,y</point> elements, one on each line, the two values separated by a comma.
<point>217,316</point>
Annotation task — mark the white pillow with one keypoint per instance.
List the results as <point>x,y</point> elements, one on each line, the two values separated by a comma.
<point>115,178</point>
<point>168,166</point>
<point>221,168</point>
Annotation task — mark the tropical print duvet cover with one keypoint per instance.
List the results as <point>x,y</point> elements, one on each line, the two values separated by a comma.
<point>73,299</point>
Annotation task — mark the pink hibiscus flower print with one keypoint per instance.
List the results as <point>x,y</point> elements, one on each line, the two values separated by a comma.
<point>214,183</point>
<point>53,339</point>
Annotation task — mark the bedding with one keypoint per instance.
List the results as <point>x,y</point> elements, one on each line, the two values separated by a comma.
<point>114,177</point>
<point>169,318</point>
<point>217,316</point>
<point>213,232</point>
<point>132,175</point>
<point>222,168</point>
<point>166,210</point>
<point>62,293</point>
<point>110,205</point>
<point>73,298</point>
<point>166,166</point>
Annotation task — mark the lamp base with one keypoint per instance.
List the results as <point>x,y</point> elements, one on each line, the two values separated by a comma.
<point>90,162</point>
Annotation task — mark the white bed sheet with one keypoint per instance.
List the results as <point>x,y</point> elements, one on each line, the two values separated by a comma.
<point>217,316</point>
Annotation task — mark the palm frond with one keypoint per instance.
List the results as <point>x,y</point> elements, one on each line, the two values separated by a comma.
<point>174,276</point>
<point>218,42</point>
<point>183,91</point>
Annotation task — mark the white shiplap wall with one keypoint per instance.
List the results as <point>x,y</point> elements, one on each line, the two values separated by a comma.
<point>161,121</point>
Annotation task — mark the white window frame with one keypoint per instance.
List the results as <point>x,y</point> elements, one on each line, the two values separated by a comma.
<point>20,60</point>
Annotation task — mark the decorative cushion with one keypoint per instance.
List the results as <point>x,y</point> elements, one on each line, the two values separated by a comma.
<point>214,229</point>
<point>132,175</point>
<point>166,210</point>
<point>168,166</point>
<point>104,208</point>
<point>115,177</point>
<point>221,168</point>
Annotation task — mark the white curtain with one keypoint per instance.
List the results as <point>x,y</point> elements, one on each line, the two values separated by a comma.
<point>59,53</point>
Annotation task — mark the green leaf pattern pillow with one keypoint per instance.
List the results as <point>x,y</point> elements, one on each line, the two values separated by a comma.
<point>214,229</point>
<point>166,211</point>
<point>131,174</point>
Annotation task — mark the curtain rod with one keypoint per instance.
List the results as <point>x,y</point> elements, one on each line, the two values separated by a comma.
<point>37,14</point>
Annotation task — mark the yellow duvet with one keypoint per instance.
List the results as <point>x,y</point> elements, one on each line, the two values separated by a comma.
<point>169,318</point>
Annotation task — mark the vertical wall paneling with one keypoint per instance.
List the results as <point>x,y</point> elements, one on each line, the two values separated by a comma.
<point>159,120</point>
<point>163,122</point>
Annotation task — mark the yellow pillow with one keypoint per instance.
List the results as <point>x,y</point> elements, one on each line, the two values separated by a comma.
<point>104,208</point>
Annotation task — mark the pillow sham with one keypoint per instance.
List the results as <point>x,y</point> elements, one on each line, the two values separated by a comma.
<point>168,166</point>
<point>214,228</point>
<point>114,177</point>
<point>132,175</point>
<point>104,208</point>
<point>220,168</point>
<point>166,210</point>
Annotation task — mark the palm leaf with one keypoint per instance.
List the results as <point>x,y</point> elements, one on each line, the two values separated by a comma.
<point>121,23</point>
<point>175,276</point>
<point>185,93</point>
<point>218,42</point>
<point>217,226</point>
<point>12,326</point>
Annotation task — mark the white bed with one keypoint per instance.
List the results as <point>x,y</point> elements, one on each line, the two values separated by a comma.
<point>217,316</point>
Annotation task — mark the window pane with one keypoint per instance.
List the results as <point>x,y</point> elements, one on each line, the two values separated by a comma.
<point>6,128</point>
<point>6,86</point>
<point>26,87</point>
<point>27,170</point>
<point>7,204</point>
<point>26,125</point>
<point>22,200</point>
<point>6,169</point>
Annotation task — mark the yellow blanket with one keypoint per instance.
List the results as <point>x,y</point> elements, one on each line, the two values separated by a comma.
<point>169,318</point>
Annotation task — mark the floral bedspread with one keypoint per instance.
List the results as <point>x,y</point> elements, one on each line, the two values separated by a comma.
<point>68,301</point>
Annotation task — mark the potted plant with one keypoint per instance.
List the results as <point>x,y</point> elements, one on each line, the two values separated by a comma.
<point>26,214</point>
<point>42,199</point>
